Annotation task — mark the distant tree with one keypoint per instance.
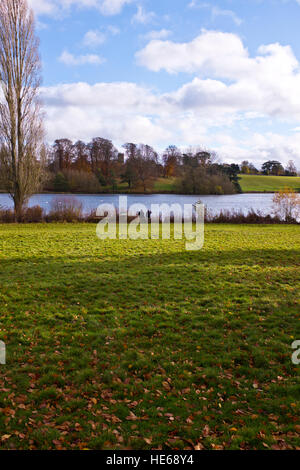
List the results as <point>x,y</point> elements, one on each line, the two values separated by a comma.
<point>131,150</point>
<point>121,158</point>
<point>103,156</point>
<point>81,157</point>
<point>146,166</point>
<point>287,204</point>
<point>272,167</point>
<point>232,171</point>
<point>81,181</point>
<point>60,183</point>
<point>248,168</point>
<point>171,161</point>
<point>21,121</point>
<point>141,166</point>
<point>202,174</point>
<point>63,153</point>
<point>204,157</point>
<point>129,174</point>
<point>100,177</point>
<point>253,169</point>
<point>291,169</point>
<point>245,167</point>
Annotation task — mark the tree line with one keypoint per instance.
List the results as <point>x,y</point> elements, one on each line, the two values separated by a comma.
<point>99,166</point>
<point>271,167</point>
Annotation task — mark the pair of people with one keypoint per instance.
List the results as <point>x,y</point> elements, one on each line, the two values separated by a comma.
<point>142,215</point>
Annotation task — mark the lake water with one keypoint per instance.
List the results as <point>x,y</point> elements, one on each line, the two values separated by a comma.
<point>244,202</point>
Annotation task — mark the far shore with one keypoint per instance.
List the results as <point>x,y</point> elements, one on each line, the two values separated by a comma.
<point>132,193</point>
<point>250,184</point>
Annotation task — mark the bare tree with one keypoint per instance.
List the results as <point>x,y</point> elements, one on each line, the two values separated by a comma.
<point>21,123</point>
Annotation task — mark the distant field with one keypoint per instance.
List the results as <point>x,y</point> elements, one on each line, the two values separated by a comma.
<point>257,183</point>
<point>249,183</point>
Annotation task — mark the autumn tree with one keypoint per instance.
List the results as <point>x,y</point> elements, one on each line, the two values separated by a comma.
<point>171,161</point>
<point>21,128</point>
<point>286,204</point>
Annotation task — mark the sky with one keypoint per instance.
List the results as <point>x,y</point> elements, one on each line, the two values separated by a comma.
<point>223,75</point>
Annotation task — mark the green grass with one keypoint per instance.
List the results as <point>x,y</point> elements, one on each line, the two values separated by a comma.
<point>166,185</point>
<point>141,344</point>
<point>161,185</point>
<point>260,183</point>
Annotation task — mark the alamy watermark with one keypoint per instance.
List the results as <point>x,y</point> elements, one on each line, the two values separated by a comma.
<point>296,354</point>
<point>2,353</point>
<point>138,222</point>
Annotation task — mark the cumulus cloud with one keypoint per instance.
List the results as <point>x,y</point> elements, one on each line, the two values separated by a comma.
<point>120,111</point>
<point>227,76</point>
<point>124,111</point>
<point>88,59</point>
<point>211,52</point>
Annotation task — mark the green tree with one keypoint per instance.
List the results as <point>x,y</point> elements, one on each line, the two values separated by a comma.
<point>60,183</point>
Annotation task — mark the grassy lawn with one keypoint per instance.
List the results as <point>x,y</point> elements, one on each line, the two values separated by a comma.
<point>165,185</point>
<point>257,183</point>
<point>141,344</point>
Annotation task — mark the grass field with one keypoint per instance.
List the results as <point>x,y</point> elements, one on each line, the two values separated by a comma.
<point>143,345</point>
<point>249,183</point>
<point>166,185</point>
<point>260,183</point>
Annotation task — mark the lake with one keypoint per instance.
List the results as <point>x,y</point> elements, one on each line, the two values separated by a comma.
<point>244,202</point>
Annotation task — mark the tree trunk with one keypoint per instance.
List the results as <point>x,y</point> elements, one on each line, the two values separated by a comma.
<point>18,209</point>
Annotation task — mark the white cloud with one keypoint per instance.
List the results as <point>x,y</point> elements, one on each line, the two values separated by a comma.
<point>211,52</point>
<point>88,59</point>
<point>94,38</point>
<point>128,112</point>
<point>268,83</point>
<point>119,111</point>
<point>142,16</point>
<point>57,7</point>
<point>161,34</point>
<point>262,147</point>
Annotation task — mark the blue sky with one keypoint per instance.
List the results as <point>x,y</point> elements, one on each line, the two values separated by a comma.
<point>220,74</point>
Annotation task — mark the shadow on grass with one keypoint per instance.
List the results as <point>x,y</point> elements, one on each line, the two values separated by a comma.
<point>154,279</point>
